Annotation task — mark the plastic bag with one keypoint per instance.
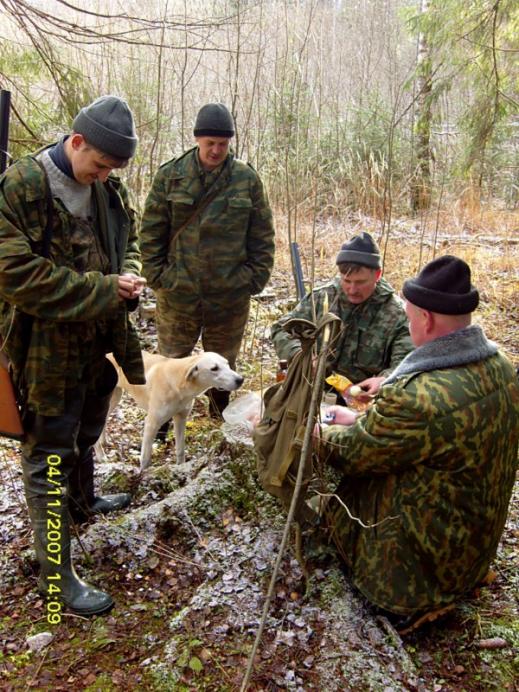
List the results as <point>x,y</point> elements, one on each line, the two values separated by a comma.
<point>244,409</point>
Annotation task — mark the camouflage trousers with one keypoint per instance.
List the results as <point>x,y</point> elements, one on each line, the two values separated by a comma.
<point>385,564</point>
<point>179,326</point>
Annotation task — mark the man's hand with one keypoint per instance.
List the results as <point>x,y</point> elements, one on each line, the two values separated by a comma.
<point>369,387</point>
<point>340,415</point>
<point>130,286</point>
<point>337,415</point>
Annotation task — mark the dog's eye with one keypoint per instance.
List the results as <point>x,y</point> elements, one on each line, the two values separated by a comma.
<point>215,368</point>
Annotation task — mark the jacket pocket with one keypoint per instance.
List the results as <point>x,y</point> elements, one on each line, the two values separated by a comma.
<point>180,198</point>
<point>239,210</point>
<point>181,208</point>
<point>369,355</point>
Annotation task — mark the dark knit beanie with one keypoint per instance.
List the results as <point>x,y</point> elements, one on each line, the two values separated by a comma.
<point>443,286</point>
<point>107,124</point>
<point>214,120</point>
<point>361,249</point>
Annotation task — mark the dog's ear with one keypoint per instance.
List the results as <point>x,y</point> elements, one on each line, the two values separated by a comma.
<point>192,373</point>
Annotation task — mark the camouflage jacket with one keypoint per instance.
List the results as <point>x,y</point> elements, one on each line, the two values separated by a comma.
<point>374,336</point>
<point>433,464</point>
<point>226,251</point>
<point>66,307</point>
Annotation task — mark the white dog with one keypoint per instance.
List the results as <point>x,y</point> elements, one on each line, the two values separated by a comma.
<point>171,387</point>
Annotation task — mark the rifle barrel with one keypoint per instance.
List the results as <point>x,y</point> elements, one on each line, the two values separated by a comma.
<point>298,271</point>
<point>5,107</point>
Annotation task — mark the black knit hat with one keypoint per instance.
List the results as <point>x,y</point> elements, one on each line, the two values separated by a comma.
<point>214,120</point>
<point>443,286</point>
<point>107,124</point>
<point>361,249</point>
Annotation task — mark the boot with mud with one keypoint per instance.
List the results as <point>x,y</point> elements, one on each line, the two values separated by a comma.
<point>50,522</point>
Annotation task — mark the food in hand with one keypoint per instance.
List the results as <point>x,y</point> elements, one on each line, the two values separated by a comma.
<point>355,390</point>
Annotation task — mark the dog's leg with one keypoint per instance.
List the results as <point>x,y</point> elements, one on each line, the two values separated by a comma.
<point>153,421</point>
<point>150,429</point>
<point>179,421</point>
<point>99,445</point>
<point>100,452</point>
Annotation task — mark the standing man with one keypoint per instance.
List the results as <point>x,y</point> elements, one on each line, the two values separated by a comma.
<point>69,268</point>
<point>207,243</point>
<point>374,336</point>
<point>430,468</point>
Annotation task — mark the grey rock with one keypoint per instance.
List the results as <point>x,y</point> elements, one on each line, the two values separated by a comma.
<point>39,641</point>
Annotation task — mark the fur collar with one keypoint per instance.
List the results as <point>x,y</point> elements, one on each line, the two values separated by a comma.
<point>462,347</point>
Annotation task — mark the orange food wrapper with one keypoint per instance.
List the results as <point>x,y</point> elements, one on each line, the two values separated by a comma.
<point>338,382</point>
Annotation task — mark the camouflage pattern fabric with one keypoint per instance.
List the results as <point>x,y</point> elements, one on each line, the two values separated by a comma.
<point>226,251</point>
<point>68,307</point>
<point>225,254</point>
<point>433,464</point>
<point>374,336</point>
<point>221,330</point>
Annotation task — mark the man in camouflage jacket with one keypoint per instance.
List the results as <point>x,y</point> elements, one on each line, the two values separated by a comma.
<point>205,266</point>
<point>63,306</point>
<point>431,466</point>
<point>374,335</point>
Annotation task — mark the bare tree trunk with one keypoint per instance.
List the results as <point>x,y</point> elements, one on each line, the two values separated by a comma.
<point>158,106</point>
<point>234,86</point>
<point>421,181</point>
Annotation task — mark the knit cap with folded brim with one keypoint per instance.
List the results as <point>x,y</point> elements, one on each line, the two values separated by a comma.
<point>361,249</point>
<point>443,286</point>
<point>107,124</point>
<point>214,120</point>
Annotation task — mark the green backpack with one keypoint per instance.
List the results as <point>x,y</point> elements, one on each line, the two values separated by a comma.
<point>278,438</point>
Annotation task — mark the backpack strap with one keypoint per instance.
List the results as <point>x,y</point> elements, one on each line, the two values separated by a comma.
<point>307,331</point>
<point>205,202</point>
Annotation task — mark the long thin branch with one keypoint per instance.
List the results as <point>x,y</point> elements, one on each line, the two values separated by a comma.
<point>306,451</point>
<point>351,516</point>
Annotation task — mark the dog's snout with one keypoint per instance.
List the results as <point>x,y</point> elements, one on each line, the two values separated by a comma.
<point>239,380</point>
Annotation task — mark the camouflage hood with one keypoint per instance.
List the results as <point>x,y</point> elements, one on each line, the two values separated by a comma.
<point>468,345</point>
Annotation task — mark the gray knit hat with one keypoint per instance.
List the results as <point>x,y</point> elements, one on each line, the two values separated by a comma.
<point>361,249</point>
<point>214,120</point>
<point>107,124</point>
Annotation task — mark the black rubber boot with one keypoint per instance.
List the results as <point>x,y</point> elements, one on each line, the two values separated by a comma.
<point>83,502</point>
<point>51,528</point>
<point>49,456</point>
<point>218,401</point>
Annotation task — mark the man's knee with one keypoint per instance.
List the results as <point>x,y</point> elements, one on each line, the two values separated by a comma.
<point>177,335</point>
